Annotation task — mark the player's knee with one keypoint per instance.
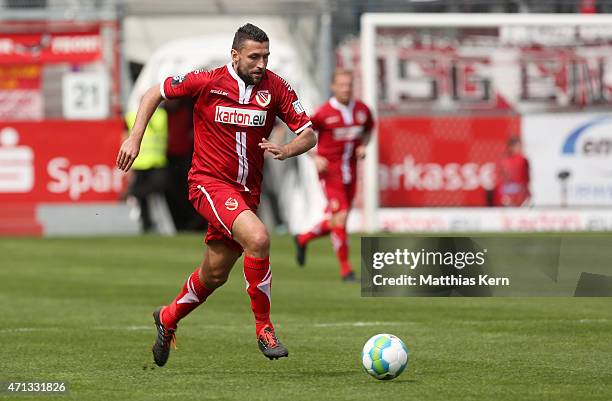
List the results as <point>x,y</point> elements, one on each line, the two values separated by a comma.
<point>258,243</point>
<point>215,279</point>
<point>340,218</point>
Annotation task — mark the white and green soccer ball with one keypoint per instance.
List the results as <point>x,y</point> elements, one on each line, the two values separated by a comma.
<point>384,356</point>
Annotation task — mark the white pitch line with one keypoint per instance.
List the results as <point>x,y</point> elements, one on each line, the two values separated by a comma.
<point>319,325</point>
<point>29,329</point>
<point>152,328</point>
<point>593,321</point>
<point>139,328</point>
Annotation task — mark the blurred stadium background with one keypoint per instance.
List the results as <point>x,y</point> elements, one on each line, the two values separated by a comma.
<point>449,89</point>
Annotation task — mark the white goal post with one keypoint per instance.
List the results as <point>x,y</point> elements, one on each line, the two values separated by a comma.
<point>371,22</point>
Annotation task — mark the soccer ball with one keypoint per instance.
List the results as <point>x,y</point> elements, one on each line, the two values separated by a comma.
<point>384,356</point>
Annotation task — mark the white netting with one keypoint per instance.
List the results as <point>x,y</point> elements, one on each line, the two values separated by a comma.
<point>450,90</point>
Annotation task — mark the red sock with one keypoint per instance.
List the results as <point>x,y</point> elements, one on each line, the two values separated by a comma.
<point>191,296</point>
<point>317,231</point>
<point>340,244</point>
<point>258,276</point>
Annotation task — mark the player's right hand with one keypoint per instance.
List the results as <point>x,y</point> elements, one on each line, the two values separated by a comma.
<point>321,163</point>
<point>127,154</point>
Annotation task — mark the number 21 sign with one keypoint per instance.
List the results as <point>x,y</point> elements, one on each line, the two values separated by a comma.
<point>85,96</point>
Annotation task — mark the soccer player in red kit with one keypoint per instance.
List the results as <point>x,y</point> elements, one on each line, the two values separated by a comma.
<point>235,109</point>
<point>344,126</point>
<point>512,176</point>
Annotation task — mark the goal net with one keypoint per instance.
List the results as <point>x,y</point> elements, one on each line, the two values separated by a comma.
<point>449,90</point>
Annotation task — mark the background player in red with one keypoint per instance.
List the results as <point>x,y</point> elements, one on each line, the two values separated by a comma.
<point>512,176</point>
<point>344,126</point>
<point>235,109</point>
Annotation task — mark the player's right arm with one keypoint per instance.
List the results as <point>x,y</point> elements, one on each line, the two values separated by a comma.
<point>131,146</point>
<point>319,161</point>
<point>178,86</point>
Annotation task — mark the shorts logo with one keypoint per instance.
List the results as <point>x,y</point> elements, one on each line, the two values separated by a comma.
<point>263,98</point>
<point>231,204</point>
<point>297,106</point>
<point>242,117</point>
<point>177,79</point>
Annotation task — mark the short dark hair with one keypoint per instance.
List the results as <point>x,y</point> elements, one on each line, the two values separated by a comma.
<point>248,32</point>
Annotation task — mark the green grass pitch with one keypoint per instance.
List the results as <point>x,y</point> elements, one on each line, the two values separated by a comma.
<point>79,310</point>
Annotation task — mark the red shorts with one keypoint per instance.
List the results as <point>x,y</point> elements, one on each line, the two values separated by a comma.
<point>220,204</point>
<point>339,195</point>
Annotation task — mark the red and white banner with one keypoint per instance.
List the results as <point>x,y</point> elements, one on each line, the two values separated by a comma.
<point>440,160</point>
<point>492,220</point>
<point>20,92</point>
<point>522,68</point>
<point>60,161</point>
<point>50,47</point>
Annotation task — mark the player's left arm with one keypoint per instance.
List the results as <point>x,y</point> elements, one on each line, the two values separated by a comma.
<point>305,141</point>
<point>360,151</point>
<point>290,110</point>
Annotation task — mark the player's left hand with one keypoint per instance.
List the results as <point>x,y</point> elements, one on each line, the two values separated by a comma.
<point>127,153</point>
<point>278,152</point>
<point>360,151</point>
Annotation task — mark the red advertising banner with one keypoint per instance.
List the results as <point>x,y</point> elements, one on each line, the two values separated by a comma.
<point>440,160</point>
<point>60,161</point>
<point>50,47</point>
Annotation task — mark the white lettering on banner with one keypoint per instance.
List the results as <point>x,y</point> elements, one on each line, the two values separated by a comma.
<point>21,104</point>
<point>75,44</point>
<point>16,163</point>
<point>80,178</point>
<point>243,117</point>
<point>410,175</point>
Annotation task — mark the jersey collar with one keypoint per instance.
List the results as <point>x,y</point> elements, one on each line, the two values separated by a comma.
<point>346,111</point>
<point>244,91</point>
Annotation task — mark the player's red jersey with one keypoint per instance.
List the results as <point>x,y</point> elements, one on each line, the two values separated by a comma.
<point>230,118</point>
<point>512,181</point>
<point>341,129</point>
